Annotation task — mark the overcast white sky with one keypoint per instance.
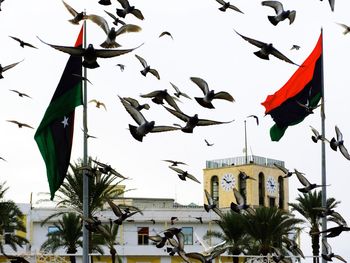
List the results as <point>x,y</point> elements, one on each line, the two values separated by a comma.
<point>206,46</point>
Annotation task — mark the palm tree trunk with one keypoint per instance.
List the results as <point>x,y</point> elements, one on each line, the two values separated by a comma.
<point>72,259</point>
<point>315,241</point>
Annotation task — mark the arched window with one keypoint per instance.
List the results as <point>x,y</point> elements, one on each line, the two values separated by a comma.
<point>242,184</point>
<point>261,189</point>
<point>280,192</point>
<point>214,187</point>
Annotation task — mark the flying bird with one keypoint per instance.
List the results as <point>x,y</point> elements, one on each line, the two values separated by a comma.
<point>144,127</point>
<point>78,16</point>
<point>309,109</point>
<point>192,121</point>
<point>127,9</point>
<point>207,143</point>
<point>226,5</point>
<point>209,95</point>
<point>338,142</point>
<point>105,2</point>
<point>241,203</point>
<point>107,169</point>
<point>206,257</point>
<point>20,124</point>
<point>286,172</point>
<point>121,215</point>
<point>307,185</point>
<point>175,163</point>
<point>1,158</point>
<point>14,259</point>
<point>333,231</point>
<point>98,103</point>
<point>335,216</point>
<point>329,254</point>
<point>200,219</point>
<point>121,66</point>
<point>244,176</point>
<point>116,20</point>
<point>20,93</point>
<point>22,43</point>
<point>173,219</point>
<point>255,117</point>
<point>266,50</point>
<point>346,28</point>
<point>81,77</point>
<point>136,104</point>
<point>317,136</point>
<point>212,205</point>
<point>184,174</point>
<point>166,33</point>
<point>179,93</point>
<point>3,69</point>
<point>147,68</point>
<point>281,14</point>
<point>292,246</point>
<point>158,97</point>
<point>90,54</point>
<point>296,47</point>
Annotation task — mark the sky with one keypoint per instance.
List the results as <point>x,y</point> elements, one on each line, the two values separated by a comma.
<point>204,45</point>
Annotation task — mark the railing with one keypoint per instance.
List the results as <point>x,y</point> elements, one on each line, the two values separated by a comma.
<point>241,160</point>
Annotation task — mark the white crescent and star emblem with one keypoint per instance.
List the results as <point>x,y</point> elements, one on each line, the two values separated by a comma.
<point>65,121</point>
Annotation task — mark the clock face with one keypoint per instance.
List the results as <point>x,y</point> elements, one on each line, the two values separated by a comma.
<point>271,185</point>
<point>228,182</point>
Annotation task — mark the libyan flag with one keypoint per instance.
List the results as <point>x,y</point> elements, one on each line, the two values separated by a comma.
<point>54,135</point>
<point>305,86</point>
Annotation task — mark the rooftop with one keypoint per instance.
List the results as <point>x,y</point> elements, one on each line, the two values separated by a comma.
<point>242,160</point>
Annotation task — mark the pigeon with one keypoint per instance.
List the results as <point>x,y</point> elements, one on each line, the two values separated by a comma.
<point>212,205</point>
<point>95,225</point>
<point>207,257</point>
<point>307,107</point>
<point>226,5</point>
<point>255,117</point>
<point>281,14</point>
<point>22,43</point>
<point>98,103</point>
<point>296,47</point>
<point>317,136</point>
<point>121,66</point>
<point>3,69</point>
<point>127,9</point>
<point>192,122</point>
<point>158,96</point>
<point>105,2</point>
<point>147,68</point>
<point>90,54</point>
<point>333,231</point>
<point>159,240</point>
<point>179,93</point>
<point>173,219</point>
<point>286,172</point>
<point>244,176</point>
<point>175,163</point>
<point>81,77</point>
<point>184,174</point>
<point>241,203</point>
<point>346,28</point>
<point>209,95</point>
<point>20,124</point>
<point>116,20</point>
<point>330,254</point>
<point>136,104</point>
<point>77,16</point>
<point>112,33</point>
<point>20,93</point>
<point>266,50</point>
<point>166,33</point>
<point>144,127</point>
<point>121,215</point>
<point>307,185</point>
<point>106,169</point>
<point>338,142</point>
<point>336,217</point>
<point>207,143</point>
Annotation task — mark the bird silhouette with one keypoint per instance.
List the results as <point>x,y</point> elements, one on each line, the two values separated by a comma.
<point>192,122</point>
<point>241,203</point>
<point>331,4</point>
<point>281,14</point>
<point>1,158</point>
<point>1,3</point>
<point>136,104</point>
<point>212,205</point>
<point>207,143</point>
<point>333,231</point>
<point>179,93</point>
<point>82,77</point>
<point>127,9</point>
<point>165,33</point>
<point>105,2</point>
<point>307,185</point>
<point>266,50</point>
<point>286,172</point>
<point>20,124</point>
<point>338,142</point>
<point>255,117</point>
<point>209,95</point>
<point>77,16</point>
<point>116,20</point>
<point>22,43</point>
<point>121,66</point>
<point>227,5</point>
<point>329,254</point>
<point>147,68</point>
<point>20,93</point>
<point>244,176</point>
<point>296,47</point>
<point>175,163</point>
<point>173,219</point>
<point>200,219</point>
<point>3,69</point>
<point>120,214</point>
<point>158,97</point>
<point>106,169</point>
<point>98,103</point>
<point>309,109</point>
<point>346,28</point>
<point>94,224</point>
<point>183,175</point>
<point>317,136</point>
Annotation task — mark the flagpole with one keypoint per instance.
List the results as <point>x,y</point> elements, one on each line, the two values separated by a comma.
<point>323,153</point>
<point>85,163</point>
<point>245,142</point>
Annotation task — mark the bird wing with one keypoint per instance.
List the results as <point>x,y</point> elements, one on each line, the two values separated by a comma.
<point>279,55</point>
<point>277,6</point>
<point>327,246</point>
<point>154,72</point>
<point>15,38</point>
<point>93,100</point>
<point>10,66</point>
<point>163,128</point>
<point>344,151</point>
<point>192,177</point>
<point>222,2</point>
<point>283,169</point>
<point>143,62</point>
<point>165,33</point>
<point>115,208</point>
<point>315,132</point>
<point>340,258</point>
<point>302,179</point>
<point>169,99</point>
<point>108,53</point>
<point>338,133</point>
<point>151,94</point>
<point>253,41</point>
<point>202,84</point>
<point>111,15</point>
<point>77,51</point>
<point>137,13</point>
<point>135,114</point>
<point>209,197</point>
<point>128,28</point>
<point>124,3</point>
<point>223,95</point>
<point>100,21</point>
<point>196,255</point>
<point>204,122</point>
<point>255,117</point>
<point>178,170</point>
<point>133,102</point>
<point>175,87</point>
<point>70,9</point>
<point>180,115</point>
<point>238,196</point>
<point>291,16</point>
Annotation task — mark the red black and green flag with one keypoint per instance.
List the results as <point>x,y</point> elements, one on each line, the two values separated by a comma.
<point>54,135</point>
<point>304,87</point>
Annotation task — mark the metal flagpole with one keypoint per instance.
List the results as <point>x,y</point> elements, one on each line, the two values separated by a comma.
<point>85,163</point>
<point>323,153</point>
<point>245,142</point>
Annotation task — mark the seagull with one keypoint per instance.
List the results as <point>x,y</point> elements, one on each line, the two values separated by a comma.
<point>166,33</point>
<point>136,104</point>
<point>307,185</point>
<point>338,142</point>
<point>116,20</point>
<point>209,95</point>
<point>317,136</point>
<point>106,169</point>
<point>296,47</point>
<point>175,163</point>
<point>112,33</point>
<point>22,43</point>
<point>3,69</point>
<point>212,205</point>
<point>90,54</point>
<point>346,28</point>
<point>121,66</point>
<point>158,96</point>
<point>329,254</point>
<point>266,50</point>
<point>255,117</point>
<point>208,144</point>
<point>127,9</point>
<point>144,127</point>
<point>226,5</point>
<point>281,14</point>
<point>20,124</point>
<point>192,122</point>
<point>20,93</point>
<point>179,93</point>
<point>147,68</point>
<point>184,174</point>
<point>98,104</point>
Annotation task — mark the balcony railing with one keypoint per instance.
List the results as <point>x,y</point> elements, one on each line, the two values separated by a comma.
<point>241,160</point>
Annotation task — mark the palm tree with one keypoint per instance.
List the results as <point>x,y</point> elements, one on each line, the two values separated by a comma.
<point>68,235</point>
<point>306,205</point>
<point>10,222</point>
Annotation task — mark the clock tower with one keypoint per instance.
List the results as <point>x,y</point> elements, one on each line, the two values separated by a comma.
<point>257,178</point>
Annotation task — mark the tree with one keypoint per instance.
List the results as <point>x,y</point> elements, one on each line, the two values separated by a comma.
<point>307,202</point>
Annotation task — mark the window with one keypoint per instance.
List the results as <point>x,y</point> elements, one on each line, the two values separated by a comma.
<point>272,201</point>
<point>142,235</point>
<point>261,189</point>
<point>188,235</point>
<point>280,192</point>
<point>242,184</point>
<point>215,188</point>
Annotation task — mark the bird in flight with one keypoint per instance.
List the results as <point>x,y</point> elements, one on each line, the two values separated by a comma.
<point>209,95</point>
<point>158,96</point>
<point>207,143</point>
<point>184,174</point>
<point>179,93</point>
<point>166,33</point>
<point>20,124</point>
<point>106,169</point>
<point>78,16</point>
<point>98,104</point>
<point>147,68</point>
<point>281,14</point>
<point>133,102</point>
<point>121,66</point>
<point>296,47</point>
<point>317,136</point>
<point>307,185</point>
<point>266,50</point>
<point>174,163</point>
<point>3,69</point>
<point>81,77</point>
<point>116,20</point>
<point>338,142</point>
<point>329,254</point>
<point>105,2</point>
<point>127,9</point>
<point>346,28</point>
<point>212,205</point>
<point>22,43</point>
<point>286,172</point>
<point>226,5</point>
<point>20,93</point>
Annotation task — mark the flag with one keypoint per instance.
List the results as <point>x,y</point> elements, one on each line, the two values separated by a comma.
<point>55,133</point>
<point>305,86</point>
